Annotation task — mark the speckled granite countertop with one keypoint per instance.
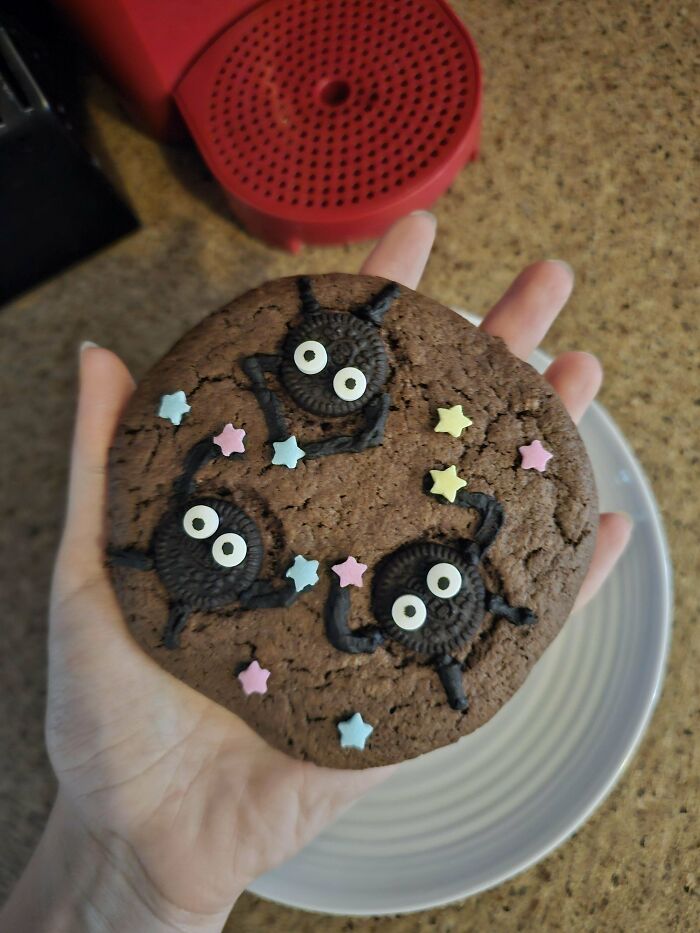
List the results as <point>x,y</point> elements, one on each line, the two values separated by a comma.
<point>588,154</point>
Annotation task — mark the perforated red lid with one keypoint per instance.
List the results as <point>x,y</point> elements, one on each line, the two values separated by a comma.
<point>325,121</point>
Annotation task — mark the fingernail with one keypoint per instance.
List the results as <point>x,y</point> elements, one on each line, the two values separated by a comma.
<point>428,214</point>
<point>88,345</point>
<point>562,262</point>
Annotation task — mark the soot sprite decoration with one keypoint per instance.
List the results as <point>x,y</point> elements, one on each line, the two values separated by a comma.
<point>332,364</point>
<point>430,597</point>
<point>207,552</point>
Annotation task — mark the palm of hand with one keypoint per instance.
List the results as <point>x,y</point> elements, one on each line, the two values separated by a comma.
<point>184,789</point>
<point>202,802</point>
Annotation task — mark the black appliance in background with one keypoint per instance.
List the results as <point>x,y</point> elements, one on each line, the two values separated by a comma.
<point>56,204</point>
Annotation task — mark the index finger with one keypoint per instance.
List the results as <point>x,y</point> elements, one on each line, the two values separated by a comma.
<point>403,251</point>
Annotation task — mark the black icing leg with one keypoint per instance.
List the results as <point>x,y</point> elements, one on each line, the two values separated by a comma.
<point>129,557</point>
<point>177,620</point>
<point>450,672</point>
<point>262,595</point>
<point>371,435</point>
<point>376,414</point>
<point>255,368</point>
<point>492,516</point>
<point>337,630</point>
<point>503,610</point>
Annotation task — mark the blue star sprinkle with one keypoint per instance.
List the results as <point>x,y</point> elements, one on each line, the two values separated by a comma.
<point>287,453</point>
<point>354,732</point>
<point>303,572</point>
<point>173,407</point>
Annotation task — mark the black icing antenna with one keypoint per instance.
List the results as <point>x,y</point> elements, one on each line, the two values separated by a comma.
<point>372,310</point>
<point>377,306</point>
<point>489,508</point>
<point>309,305</point>
<point>203,452</point>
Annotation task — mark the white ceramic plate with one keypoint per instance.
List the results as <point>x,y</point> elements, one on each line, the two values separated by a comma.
<point>467,817</point>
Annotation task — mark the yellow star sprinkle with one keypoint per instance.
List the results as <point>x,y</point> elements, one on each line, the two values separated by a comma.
<point>446,483</point>
<point>452,421</point>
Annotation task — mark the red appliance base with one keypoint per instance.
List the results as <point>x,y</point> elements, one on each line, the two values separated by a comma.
<point>323,120</point>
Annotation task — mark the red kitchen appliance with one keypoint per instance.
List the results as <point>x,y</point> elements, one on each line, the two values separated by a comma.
<point>323,120</point>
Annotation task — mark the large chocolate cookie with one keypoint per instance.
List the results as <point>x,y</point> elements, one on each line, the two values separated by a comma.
<point>310,428</point>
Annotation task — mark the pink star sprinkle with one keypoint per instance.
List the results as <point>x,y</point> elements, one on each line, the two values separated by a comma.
<point>230,440</point>
<point>350,572</point>
<point>534,456</point>
<point>254,679</point>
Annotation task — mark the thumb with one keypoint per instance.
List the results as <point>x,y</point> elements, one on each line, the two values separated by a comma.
<point>105,388</point>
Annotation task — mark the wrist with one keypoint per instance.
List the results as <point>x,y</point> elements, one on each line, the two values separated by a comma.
<point>78,882</point>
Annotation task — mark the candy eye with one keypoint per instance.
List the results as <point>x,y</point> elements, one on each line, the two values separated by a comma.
<point>444,580</point>
<point>310,357</point>
<point>229,550</point>
<point>409,612</point>
<point>201,521</point>
<point>349,384</point>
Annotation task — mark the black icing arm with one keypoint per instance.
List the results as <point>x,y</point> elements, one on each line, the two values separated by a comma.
<point>371,435</point>
<point>450,672</point>
<point>129,557</point>
<point>255,368</point>
<point>263,595</point>
<point>519,615</point>
<point>490,512</point>
<point>338,632</point>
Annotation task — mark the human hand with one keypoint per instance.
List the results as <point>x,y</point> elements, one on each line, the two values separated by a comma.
<point>182,800</point>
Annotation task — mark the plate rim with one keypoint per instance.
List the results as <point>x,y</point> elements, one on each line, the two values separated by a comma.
<point>626,752</point>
